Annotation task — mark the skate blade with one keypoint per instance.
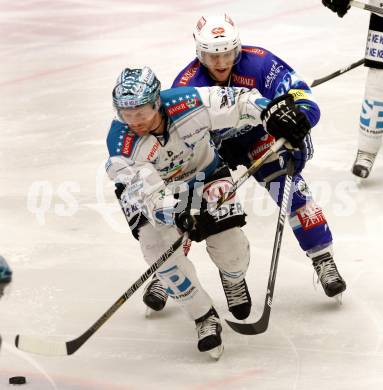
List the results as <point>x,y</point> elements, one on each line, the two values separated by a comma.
<point>338,298</point>
<point>216,352</point>
<point>359,181</point>
<point>148,312</point>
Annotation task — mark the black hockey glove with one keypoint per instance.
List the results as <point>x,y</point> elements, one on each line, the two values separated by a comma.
<point>283,119</point>
<point>196,225</point>
<point>339,6</point>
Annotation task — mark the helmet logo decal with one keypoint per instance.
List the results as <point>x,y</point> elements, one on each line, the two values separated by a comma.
<point>201,23</point>
<point>217,30</point>
<point>229,20</point>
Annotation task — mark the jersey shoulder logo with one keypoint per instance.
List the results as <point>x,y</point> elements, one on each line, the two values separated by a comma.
<point>179,101</point>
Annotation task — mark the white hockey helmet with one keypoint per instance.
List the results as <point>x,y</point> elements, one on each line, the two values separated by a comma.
<point>216,34</point>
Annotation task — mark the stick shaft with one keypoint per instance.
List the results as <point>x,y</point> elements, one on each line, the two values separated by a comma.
<point>337,73</point>
<point>367,7</point>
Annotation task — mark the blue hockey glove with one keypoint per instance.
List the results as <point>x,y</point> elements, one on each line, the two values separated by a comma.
<point>300,156</point>
<point>277,166</point>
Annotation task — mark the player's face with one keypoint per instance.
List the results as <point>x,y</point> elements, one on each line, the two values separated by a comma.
<point>141,120</point>
<point>219,64</point>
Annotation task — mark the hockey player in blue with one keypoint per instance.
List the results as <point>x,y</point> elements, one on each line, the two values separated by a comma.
<point>222,60</point>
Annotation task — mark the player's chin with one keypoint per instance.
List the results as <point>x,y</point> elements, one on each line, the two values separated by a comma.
<point>140,131</point>
<point>222,74</point>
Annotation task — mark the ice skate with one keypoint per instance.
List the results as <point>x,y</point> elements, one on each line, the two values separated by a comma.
<point>238,297</point>
<point>209,330</point>
<point>363,164</point>
<point>332,283</point>
<point>155,296</point>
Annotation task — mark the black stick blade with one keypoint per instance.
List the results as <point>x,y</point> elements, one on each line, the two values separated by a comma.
<point>248,329</point>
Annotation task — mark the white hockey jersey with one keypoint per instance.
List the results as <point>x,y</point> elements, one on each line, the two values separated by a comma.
<point>153,167</point>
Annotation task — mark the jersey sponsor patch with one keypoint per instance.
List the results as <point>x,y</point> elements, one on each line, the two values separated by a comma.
<point>153,151</point>
<point>245,81</point>
<point>374,46</point>
<point>273,73</point>
<point>182,287</point>
<point>214,190</point>
<point>299,94</point>
<point>255,50</point>
<point>261,147</point>
<point>227,211</point>
<point>371,117</point>
<point>127,144</point>
<point>188,75</point>
<point>310,216</point>
<point>182,106</point>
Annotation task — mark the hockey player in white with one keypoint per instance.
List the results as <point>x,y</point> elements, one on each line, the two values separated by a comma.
<point>371,116</point>
<point>168,174</point>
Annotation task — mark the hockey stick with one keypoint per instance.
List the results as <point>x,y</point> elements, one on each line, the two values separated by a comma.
<point>252,169</point>
<point>337,73</point>
<point>50,348</point>
<point>261,325</point>
<point>367,7</point>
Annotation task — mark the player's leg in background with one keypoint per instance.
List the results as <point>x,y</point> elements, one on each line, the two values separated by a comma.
<point>371,116</point>
<point>312,232</point>
<point>370,125</point>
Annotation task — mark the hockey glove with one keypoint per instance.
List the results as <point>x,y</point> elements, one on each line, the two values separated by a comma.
<point>339,6</point>
<point>273,168</point>
<point>301,155</point>
<point>196,225</point>
<point>282,118</point>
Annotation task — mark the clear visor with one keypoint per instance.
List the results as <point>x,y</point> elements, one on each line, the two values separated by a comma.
<point>137,114</point>
<point>221,60</point>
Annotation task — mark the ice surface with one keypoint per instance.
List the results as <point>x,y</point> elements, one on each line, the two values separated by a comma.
<point>70,249</point>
